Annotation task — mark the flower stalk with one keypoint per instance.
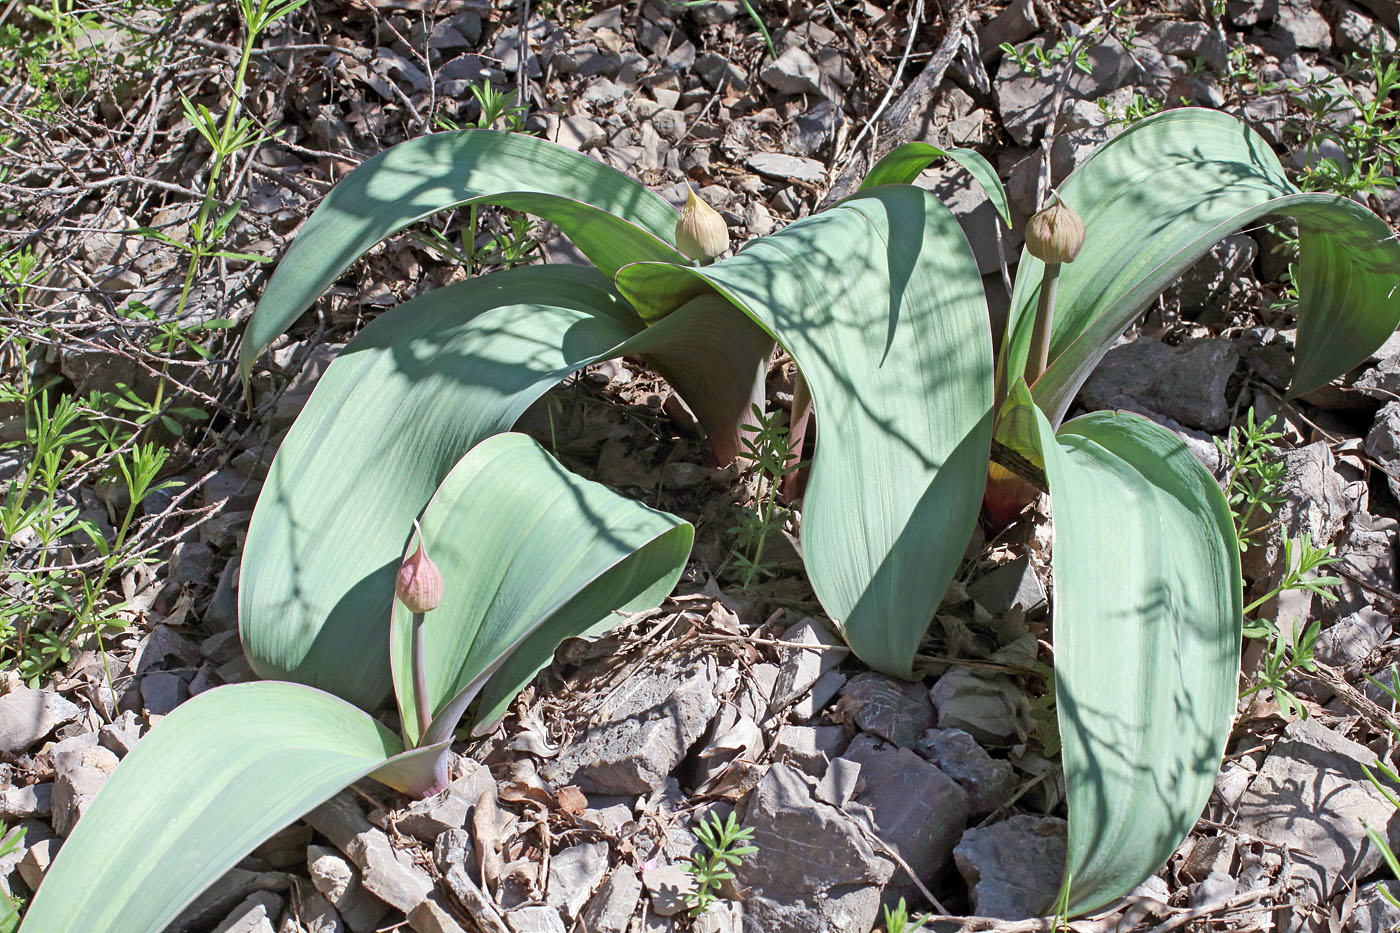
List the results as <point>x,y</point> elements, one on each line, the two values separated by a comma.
<point>1055,235</point>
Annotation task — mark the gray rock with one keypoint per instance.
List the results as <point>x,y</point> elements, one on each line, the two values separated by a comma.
<point>286,848</point>
<point>23,803</point>
<point>256,914</point>
<point>215,901</point>
<point>1368,552</point>
<point>840,782</point>
<point>1351,639</point>
<point>1013,868</point>
<point>989,782</point>
<point>573,874</point>
<point>121,736</point>
<point>453,847</point>
<point>794,72</point>
<point>1215,887</point>
<point>432,916</point>
<point>389,874</point>
<point>897,711</point>
<point>1083,129</point>
<point>818,871</point>
<point>715,70</point>
<point>79,774</point>
<point>668,887</point>
<point>800,668</point>
<point>917,809</point>
<point>192,563</point>
<point>1373,913</point>
<point>612,906</point>
<point>1186,383</point>
<point>1383,444</point>
<point>1310,764</point>
<point>38,856</point>
<point>26,716</point>
<point>810,748</point>
<point>1208,855</point>
<point>580,133</point>
<point>1015,23</point>
<point>1013,585</point>
<point>1024,100</point>
<point>644,731</point>
<point>311,913</point>
<point>788,167</point>
<point>1315,504</point>
<point>823,691</point>
<point>535,919</point>
<point>1188,39</point>
<point>339,882</point>
<point>1299,24</point>
<point>1213,275</point>
<point>162,691</point>
<point>989,707</point>
<point>428,819</point>
<point>1354,31</point>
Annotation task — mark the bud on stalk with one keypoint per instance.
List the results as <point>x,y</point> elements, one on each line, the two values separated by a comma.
<point>1054,235</point>
<point>701,233</point>
<point>419,587</point>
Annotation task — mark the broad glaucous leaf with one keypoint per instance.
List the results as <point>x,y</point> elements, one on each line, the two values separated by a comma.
<point>1147,624</point>
<point>531,554</point>
<point>223,772</point>
<point>610,217</point>
<point>1154,200</point>
<point>879,302</point>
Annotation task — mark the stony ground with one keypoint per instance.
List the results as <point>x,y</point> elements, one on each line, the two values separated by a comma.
<point>579,812</point>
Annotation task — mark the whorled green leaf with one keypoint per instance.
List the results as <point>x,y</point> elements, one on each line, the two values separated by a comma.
<point>1147,625</point>
<point>530,554</point>
<point>903,164</point>
<point>611,218</point>
<point>1157,198</point>
<point>879,302</point>
<point>211,781</point>
<point>408,397</point>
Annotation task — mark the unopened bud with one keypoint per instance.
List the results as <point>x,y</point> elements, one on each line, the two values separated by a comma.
<point>419,584</point>
<point>701,233</point>
<point>1055,234</point>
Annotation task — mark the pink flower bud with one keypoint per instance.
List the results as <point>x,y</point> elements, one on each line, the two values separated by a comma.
<point>419,584</point>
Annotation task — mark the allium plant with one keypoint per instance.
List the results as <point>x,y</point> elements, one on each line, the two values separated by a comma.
<point>879,302</point>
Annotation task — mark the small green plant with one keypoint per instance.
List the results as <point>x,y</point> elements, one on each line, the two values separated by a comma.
<point>1290,652</point>
<point>1254,474</point>
<point>1367,147</point>
<point>511,246</point>
<point>9,910</point>
<point>768,447</point>
<point>726,845</point>
<point>897,920</point>
<point>1378,836</point>
<point>1137,109</point>
<point>1038,61</point>
<point>226,137</point>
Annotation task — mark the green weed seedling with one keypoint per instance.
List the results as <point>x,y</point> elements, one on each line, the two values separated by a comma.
<point>1378,836</point>
<point>726,845</point>
<point>509,247</point>
<point>9,909</point>
<point>1290,652</point>
<point>1254,474</point>
<point>898,920</point>
<point>768,445</point>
